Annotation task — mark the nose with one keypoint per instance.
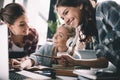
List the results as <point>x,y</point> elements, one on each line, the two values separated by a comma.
<point>67,21</point>
<point>26,26</point>
<point>55,36</point>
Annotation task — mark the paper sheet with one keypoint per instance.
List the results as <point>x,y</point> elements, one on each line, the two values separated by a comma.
<point>32,75</point>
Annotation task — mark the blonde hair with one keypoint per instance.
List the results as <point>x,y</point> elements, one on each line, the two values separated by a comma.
<point>70,30</point>
<point>70,33</point>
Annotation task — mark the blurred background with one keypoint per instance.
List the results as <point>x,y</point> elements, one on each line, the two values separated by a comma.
<point>41,16</point>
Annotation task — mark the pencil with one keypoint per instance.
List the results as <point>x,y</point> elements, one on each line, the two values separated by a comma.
<point>46,56</point>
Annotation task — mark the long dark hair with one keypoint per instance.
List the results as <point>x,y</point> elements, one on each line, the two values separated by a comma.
<point>11,12</point>
<point>88,15</point>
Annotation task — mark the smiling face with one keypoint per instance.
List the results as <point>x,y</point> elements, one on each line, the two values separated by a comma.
<point>60,37</point>
<point>71,15</point>
<point>20,26</point>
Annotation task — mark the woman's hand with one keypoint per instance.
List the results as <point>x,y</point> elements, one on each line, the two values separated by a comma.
<point>13,62</point>
<point>66,60</point>
<point>19,66</point>
<point>23,59</point>
<point>18,63</point>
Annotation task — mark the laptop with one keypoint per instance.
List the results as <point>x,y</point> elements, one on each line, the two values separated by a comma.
<point>16,54</point>
<point>5,73</point>
<point>26,75</point>
<point>3,52</point>
<point>87,54</point>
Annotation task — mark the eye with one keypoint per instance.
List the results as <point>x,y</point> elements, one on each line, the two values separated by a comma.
<point>60,35</point>
<point>65,12</point>
<point>22,25</point>
<point>62,18</point>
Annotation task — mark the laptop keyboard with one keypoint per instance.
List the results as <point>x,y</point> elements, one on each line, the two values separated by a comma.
<point>26,75</point>
<point>16,76</point>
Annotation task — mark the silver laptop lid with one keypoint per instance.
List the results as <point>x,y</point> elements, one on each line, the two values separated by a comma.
<point>3,52</point>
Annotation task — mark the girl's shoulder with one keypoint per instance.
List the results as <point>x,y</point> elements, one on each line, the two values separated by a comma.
<point>32,36</point>
<point>32,31</point>
<point>47,46</point>
<point>105,7</point>
<point>107,4</point>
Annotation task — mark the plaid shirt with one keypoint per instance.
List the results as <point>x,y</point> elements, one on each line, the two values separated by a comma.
<point>29,41</point>
<point>108,25</point>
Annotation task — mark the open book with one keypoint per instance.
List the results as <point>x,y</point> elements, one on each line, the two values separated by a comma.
<point>59,70</point>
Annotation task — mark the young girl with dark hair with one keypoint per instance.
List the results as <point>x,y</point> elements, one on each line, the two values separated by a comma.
<point>22,37</point>
<point>102,22</point>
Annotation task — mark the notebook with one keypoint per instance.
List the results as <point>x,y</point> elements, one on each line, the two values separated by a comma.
<point>3,52</point>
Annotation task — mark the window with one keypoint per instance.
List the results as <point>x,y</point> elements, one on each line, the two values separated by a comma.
<point>38,14</point>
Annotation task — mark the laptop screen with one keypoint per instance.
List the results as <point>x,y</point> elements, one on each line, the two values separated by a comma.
<point>3,52</point>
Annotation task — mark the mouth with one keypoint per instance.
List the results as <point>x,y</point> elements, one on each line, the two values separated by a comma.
<point>71,22</point>
<point>55,42</point>
<point>24,31</point>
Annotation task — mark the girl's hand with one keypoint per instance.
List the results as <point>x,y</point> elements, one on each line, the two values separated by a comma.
<point>13,62</point>
<point>66,60</point>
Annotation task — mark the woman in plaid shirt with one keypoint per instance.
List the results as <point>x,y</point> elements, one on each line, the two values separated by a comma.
<point>22,38</point>
<point>102,22</point>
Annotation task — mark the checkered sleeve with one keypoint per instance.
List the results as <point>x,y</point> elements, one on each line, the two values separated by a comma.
<point>31,41</point>
<point>108,24</point>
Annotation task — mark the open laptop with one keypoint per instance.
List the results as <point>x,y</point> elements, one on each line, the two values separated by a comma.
<point>87,54</point>
<point>5,73</point>
<point>3,52</point>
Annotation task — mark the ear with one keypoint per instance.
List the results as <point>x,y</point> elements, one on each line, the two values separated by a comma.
<point>69,42</point>
<point>9,26</point>
<point>81,6</point>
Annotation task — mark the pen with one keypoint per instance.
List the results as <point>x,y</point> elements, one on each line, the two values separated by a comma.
<point>46,56</point>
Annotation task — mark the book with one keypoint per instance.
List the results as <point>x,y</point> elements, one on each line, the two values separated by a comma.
<point>63,71</point>
<point>59,70</point>
<point>96,75</point>
<point>86,73</point>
